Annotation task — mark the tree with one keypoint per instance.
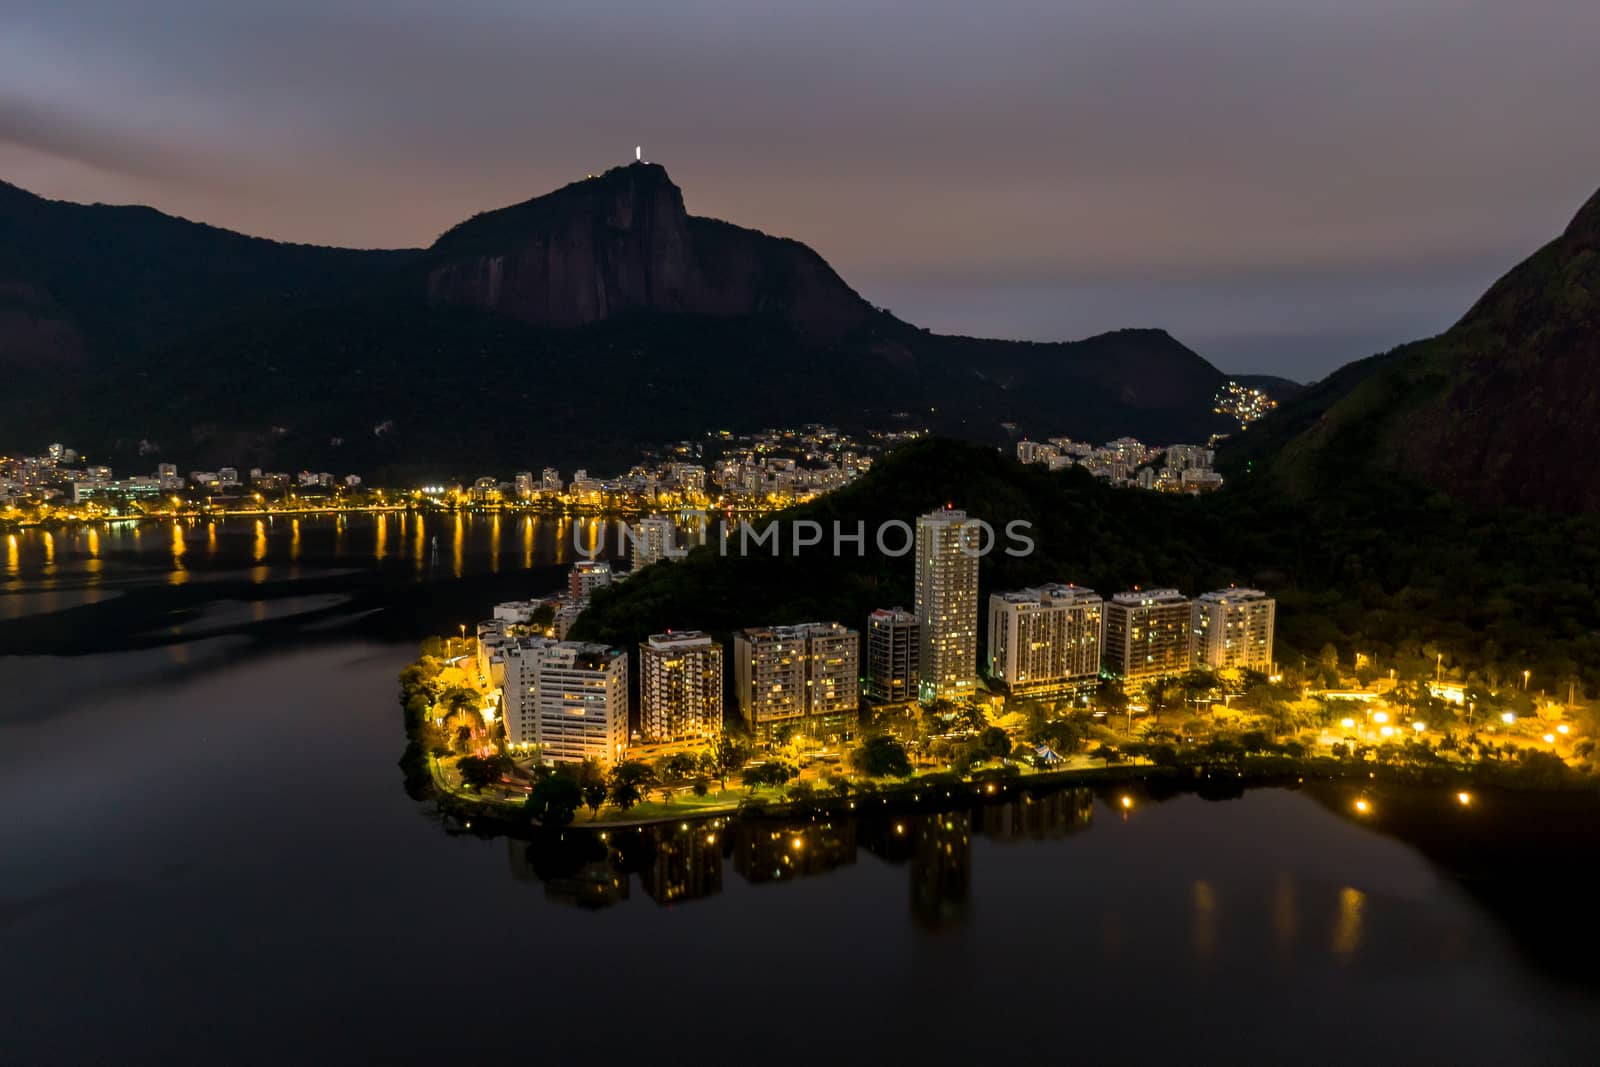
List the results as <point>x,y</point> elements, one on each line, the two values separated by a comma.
<point>543,616</point>
<point>1107,752</point>
<point>727,756</point>
<point>775,773</point>
<point>479,771</point>
<point>1155,695</point>
<point>629,780</point>
<point>591,776</point>
<point>995,743</point>
<point>881,757</point>
<point>554,801</point>
<point>678,767</point>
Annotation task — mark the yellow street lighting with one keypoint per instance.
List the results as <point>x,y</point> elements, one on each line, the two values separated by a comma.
<point>1563,729</point>
<point>1549,739</point>
<point>1419,726</point>
<point>1127,802</point>
<point>1509,717</point>
<point>1380,717</point>
<point>1362,807</point>
<point>1348,724</point>
<point>1464,799</point>
<point>1387,731</point>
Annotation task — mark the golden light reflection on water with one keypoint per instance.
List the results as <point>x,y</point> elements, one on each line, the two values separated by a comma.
<point>494,546</point>
<point>211,538</point>
<point>259,550</point>
<point>527,542</point>
<point>1347,933</point>
<point>294,541</point>
<point>380,545</point>
<point>1285,919</point>
<point>1204,934</point>
<point>458,544</point>
<point>94,542</point>
<point>49,547</point>
<point>179,574</point>
<point>13,556</point>
<point>1111,934</point>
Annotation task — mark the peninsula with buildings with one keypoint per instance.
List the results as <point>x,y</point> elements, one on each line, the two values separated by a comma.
<point>1054,682</point>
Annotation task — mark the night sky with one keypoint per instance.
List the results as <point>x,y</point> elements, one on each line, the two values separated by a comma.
<point>1284,184</point>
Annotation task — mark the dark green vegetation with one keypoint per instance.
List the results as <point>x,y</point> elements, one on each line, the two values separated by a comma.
<point>1498,410</point>
<point>1400,574</point>
<point>122,325</point>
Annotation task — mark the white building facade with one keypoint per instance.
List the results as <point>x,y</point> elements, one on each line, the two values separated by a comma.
<point>947,604</point>
<point>1046,641</point>
<point>1233,629</point>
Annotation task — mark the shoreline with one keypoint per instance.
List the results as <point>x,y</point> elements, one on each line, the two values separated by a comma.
<point>495,817</point>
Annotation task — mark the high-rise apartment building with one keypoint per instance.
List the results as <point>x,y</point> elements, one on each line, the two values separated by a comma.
<point>893,653</point>
<point>1147,635</point>
<point>807,674</point>
<point>1233,628</point>
<point>1045,641</point>
<point>586,576</point>
<point>680,687</point>
<point>568,697</point>
<point>947,603</point>
<point>1036,452</point>
<point>654,538</point>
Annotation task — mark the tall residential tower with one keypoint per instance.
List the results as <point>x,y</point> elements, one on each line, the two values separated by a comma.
<point>947,603</point>
<point>680,687</point>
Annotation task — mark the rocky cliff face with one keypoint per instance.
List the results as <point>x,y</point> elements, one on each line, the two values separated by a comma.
<point>623,243</point>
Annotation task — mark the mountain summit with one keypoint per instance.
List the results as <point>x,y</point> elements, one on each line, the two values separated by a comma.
<point>1501,409</point>
<point>622,242</point>
<point>572,328</point>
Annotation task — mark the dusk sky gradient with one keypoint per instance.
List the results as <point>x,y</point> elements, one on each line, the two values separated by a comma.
<point>1286,185</point>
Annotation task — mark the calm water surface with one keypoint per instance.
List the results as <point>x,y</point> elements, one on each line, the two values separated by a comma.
<point>207,854</point>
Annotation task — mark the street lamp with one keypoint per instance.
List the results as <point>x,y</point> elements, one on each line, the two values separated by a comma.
<point>1525,675</point>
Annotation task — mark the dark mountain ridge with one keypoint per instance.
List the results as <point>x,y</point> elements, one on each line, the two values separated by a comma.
<point>1495,411</point>
<point>87,282</point>
<point>570,328</point>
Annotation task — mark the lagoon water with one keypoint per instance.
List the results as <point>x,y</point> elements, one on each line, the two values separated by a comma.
<point>208,854</point>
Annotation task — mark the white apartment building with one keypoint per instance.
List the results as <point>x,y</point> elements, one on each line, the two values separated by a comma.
<point>1036,452</point>
<point>1147,635</point>
<point>1045,641</point>
<point>586,576</point>
<point>568,697</point>
<point>653,539</point>
<point>1233,628</point>
<point>947,604</point>
<point>680,687</point>
<point>807,674</point>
